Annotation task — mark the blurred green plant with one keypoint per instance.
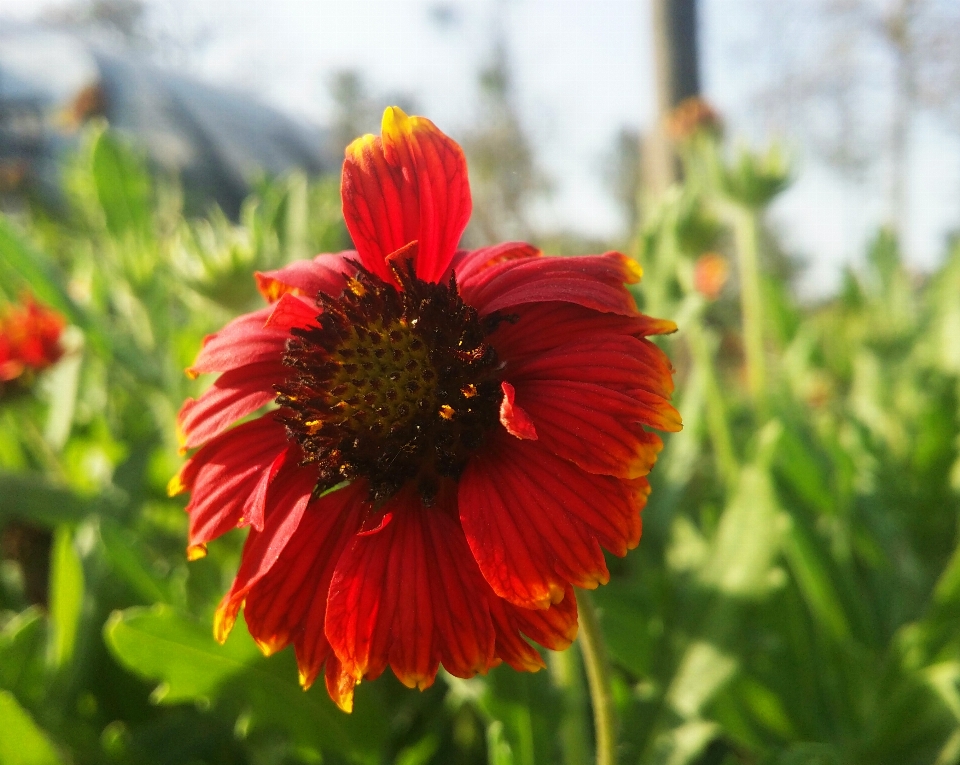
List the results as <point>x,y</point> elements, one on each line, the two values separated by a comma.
<point>795,599</point>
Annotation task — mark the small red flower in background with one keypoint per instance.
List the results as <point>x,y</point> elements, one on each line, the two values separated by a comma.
<point>710,274</point>
<point>29,339</point>
<point>457,436</point>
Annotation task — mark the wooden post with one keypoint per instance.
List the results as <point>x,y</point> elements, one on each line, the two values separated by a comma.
<point>677,75</point>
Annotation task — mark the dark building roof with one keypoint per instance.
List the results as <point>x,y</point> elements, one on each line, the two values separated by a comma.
<point>216,140</point>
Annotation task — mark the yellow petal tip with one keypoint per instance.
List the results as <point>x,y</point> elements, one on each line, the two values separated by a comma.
<point>175,486</point>
<point>345,702</point>
<point>305,680</point>
<point>557,593</point>
<point>182,434</point>
<point>223,621</point>
<point>634,270</point>
<point>196,552</point>
<point>269,647</point>
<point>395,120</point>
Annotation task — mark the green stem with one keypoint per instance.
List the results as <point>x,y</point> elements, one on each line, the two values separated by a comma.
<point>566,670</point>
<point>594,653</point>
<point>700,348</point>
<point>746,227</point>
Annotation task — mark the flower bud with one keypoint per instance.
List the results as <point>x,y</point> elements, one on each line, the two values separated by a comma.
<point>692,116</point>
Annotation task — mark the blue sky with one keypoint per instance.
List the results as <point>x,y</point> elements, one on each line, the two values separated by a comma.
<point>583,69</point>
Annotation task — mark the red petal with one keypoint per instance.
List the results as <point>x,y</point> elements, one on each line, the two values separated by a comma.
<point>223,476</point>
<point>233,395</point>
<point>245,340</point>
<point>291,311</point>
<point>593,281</point>
<point>513,418</point>
<point>467,263</point>
<point>592,426</point>
<point>464,630</point>
<point>253,338</point>
<point>622,363</point>
<point>511,647</point>
<point>380,610</point>
<point>554,628</point>
<point>287,498</point>
<point>289,603</point>
<point>308,277</point>
<point>543,326</point>
<point>535,522</point>
<point>339,684</point>
<point>406,595</point>
<point>256,508</point>
<point>409,184</point>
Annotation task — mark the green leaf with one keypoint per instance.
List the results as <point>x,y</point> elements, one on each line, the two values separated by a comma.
<point>523,712</point>
<point>63,383</point>
<point>126,559</point>
<point>766,707</point>
<point>22,742</point>
<point>123,187</point>
<point>22,654</point>
<point>751,528</point>
<point>703,671</point>
<point>809,567</point>
<point>66,596</point>
<point>498,748</point>
<point>944,678</point>
<point>683,744</point>
<point>34,498</point>
<point>797,464</point>
<point>626,625</point>
<point>420,753</point>
<point>23,266</point>
<point>158,644</point>
<point>810,754</point>
<point>950,751</point>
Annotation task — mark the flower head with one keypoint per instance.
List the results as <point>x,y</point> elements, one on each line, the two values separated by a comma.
<point>29,339</point>
<point>456,435</point>
<point>692,116</point>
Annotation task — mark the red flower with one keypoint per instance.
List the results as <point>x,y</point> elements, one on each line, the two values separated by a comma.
<point>29,339</point>
<point>10,367</point>
<point>710,273</point>
<point>457,435</point>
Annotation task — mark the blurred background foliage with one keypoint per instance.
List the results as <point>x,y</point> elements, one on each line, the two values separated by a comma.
<point>795,599</point>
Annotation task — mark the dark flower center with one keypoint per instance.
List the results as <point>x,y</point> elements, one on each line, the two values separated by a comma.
<point>393,385</point>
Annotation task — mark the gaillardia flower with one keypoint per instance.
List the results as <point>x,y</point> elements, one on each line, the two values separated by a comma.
<point>456,435</point>
<point>29,340</point>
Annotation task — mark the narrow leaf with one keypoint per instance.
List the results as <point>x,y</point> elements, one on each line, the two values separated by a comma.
<point>66,596</point>
<point>22,742</point>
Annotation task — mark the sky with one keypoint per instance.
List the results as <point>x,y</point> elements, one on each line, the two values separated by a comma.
<point>583,69</point>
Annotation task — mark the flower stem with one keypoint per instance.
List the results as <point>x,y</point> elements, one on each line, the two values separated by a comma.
<point>717,425</point>
<point>566,670</point>
<point>746,231</point>
<point>595,660</point>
